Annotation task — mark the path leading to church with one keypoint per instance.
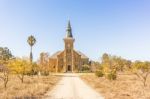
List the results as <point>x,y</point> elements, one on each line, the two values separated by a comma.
<point>72,87</point>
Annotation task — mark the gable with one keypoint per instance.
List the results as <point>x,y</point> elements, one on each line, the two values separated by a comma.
<point>54,56</point>
<point>82,55</point>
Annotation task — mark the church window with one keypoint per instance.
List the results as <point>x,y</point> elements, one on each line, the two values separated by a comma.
<point>68,50</point>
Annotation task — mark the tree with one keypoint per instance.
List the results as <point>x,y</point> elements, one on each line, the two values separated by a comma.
<point>44,67</point>
<point>94,66</point>
<point>34,69</point>
<point>141,70</point>
<point>118,63</point>
<point>111,64</point>
<point>105,58</point>
<point>4,73</point>
<point>31,41</point>
<point>127,65</point>
<point>106,62</point>
<point>20,67</point>
<point>5,55</point>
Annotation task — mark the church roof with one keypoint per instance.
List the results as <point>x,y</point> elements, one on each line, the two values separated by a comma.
<point>69,31</point>
<point>54,56</point>
<point>82,55</point>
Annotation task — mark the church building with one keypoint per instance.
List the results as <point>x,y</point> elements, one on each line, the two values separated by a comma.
<point>68,60</point>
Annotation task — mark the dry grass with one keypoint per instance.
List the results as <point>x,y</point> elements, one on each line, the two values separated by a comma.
<point>33,87</point>
<point>125,87</point>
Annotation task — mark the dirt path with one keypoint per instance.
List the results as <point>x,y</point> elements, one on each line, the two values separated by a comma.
<point>72,87</point>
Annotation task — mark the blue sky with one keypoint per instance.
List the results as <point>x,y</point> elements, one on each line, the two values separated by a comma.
<point>117,27</point>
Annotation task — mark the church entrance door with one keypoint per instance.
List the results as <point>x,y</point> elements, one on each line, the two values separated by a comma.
<point>69,67</point>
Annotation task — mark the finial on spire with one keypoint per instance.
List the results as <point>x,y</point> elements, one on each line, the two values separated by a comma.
<point>69,25</point>
<point>69,30</point>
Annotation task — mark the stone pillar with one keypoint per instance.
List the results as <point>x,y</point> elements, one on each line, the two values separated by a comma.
<point>65,65</point>
<point>80,65</point>
<point>72,61</point>
<point>57,65</point>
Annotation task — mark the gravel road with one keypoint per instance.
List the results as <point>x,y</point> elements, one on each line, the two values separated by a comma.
<point>72,87</point>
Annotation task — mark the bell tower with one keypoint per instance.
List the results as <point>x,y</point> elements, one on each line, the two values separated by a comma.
<point>69,52</point>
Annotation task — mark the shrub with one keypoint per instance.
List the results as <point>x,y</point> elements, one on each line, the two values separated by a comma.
<point>85,68</point>
<point>99,73</point>
<point>112,75</point>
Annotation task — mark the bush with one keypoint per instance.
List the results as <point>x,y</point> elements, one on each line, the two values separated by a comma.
<point>85,68</point>
<point>99,73</point>
<point>112,75</point>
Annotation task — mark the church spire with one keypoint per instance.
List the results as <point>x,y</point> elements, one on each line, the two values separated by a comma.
<point>69,30</point>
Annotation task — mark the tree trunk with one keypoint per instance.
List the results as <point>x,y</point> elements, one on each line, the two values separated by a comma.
<point>22,79</point>
<point>5,84</point>
<point>31,56</point>
<point>5,81</point>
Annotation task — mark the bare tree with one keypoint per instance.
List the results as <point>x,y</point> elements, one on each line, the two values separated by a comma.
<point>141,70</point>
<point>4,73</point>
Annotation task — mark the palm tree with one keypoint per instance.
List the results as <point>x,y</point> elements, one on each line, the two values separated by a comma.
<point>31,41</point>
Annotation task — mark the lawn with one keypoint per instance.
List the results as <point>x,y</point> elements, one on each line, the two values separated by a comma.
<point>34,87</point>
<point>127,86</point>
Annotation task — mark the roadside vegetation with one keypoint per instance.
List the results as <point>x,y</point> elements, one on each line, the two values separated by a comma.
<point>21,78</point>
<point>33,87</point>
<point>118,78</point>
